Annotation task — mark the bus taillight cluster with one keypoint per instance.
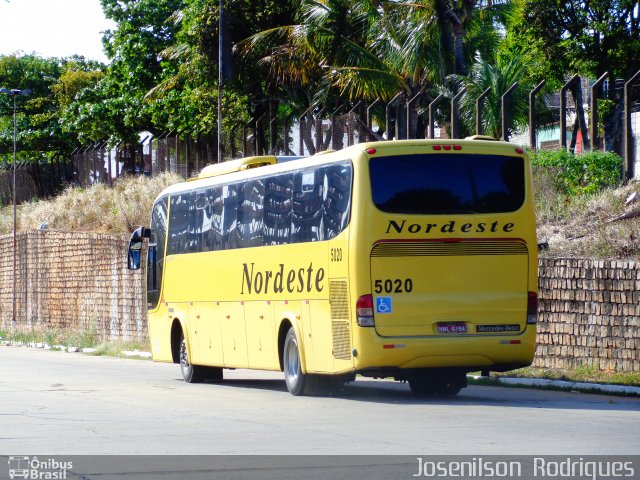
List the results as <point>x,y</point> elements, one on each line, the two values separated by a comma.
<point>364,311</point>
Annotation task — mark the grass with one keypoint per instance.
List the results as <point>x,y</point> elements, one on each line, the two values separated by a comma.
<point>81,338</point>
<point>97,209</point>
<point>583,373</point>
<point>115,348</point>
<point>582,226</point>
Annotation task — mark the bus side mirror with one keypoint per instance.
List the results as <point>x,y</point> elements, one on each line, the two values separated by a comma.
<point>135,247</point>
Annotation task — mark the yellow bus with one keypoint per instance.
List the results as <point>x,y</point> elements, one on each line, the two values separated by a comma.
<point>414,260</point>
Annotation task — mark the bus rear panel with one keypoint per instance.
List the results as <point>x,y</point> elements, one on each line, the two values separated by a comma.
<point>447,260</point>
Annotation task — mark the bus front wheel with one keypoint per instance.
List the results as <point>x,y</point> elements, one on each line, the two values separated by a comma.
<point>196,373</point>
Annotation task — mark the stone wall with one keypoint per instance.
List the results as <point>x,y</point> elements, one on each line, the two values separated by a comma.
<point>588,310</point>
<point>72,280</point>
<point>589,314</point>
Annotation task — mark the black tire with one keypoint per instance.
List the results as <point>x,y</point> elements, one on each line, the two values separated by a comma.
<point>448,389</point>
<point>445,385</point>
<point>421,386</point>
<point>191,373</point>
<point>213,373</point>
<point>320,385</point>
<point>293,376</point>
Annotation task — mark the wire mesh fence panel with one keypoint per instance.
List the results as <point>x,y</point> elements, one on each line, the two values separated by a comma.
<point>147,152</point>
<point>307,135</point>
<point>349,129</point>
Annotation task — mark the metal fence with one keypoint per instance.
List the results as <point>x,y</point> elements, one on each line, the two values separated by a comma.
<point>403,117</point>
<point>33,179</point>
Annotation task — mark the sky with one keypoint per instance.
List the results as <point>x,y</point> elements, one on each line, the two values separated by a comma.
<point>53,28</point>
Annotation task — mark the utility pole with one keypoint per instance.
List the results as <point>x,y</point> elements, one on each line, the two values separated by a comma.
<point>14,92</point>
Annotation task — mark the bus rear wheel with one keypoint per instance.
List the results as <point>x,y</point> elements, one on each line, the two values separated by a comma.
<point>443,385</point>
<point>293,376</point>
<point>299,383</point>
<point>196,373</point>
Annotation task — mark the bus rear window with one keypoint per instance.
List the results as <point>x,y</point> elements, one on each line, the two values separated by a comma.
<point>447,184</point>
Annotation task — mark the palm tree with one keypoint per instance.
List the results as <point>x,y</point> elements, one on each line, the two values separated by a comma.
<point>369,49</point>
<point>471,24</point>
<point>498,79</point>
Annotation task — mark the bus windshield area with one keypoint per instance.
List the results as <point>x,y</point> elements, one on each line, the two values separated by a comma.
<point>449,183</point>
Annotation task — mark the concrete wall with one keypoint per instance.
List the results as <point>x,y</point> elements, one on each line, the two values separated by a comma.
<point>588,312</point>
<point>72,280</point>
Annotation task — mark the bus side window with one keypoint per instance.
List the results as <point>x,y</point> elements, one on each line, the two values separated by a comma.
<point>338,199</point>
<point>307,206</point>
<point>156,252</point>
<point>250,213</point>
<point>194,223</point>
<point>277,209</point>
<point>230,216</point>
<point>152,260</point>
<point>215,237</point>
<point>180,228</point>
<point>203,219</point>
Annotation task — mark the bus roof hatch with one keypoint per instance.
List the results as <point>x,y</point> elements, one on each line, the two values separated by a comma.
<point>236,165</point>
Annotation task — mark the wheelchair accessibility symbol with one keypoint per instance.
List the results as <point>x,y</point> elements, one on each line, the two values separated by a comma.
<point>383,305</point>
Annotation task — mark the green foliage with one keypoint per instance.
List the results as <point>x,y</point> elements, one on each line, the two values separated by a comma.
<point>498,78</point>
<point>163,67</point>
<point>587,173</point>
<point>80,337</point>
<point>54,83</point>
<point>72,82</point>
<point>582,373</point>
<point>588,38</point>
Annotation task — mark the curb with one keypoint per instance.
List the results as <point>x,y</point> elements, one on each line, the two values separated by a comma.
<point>62,348</point>
<point>136,354</point>
<point>582,387</point>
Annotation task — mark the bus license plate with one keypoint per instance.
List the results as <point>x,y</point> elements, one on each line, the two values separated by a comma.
<point>454,327</point>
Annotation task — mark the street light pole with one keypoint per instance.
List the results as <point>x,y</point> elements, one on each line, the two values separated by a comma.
<point>220,75</point>
<point>14,92</point>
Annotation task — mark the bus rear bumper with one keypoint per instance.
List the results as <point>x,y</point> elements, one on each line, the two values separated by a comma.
<point>470,353</point>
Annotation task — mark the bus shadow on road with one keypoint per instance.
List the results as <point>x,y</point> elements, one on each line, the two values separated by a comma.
<point>255,384</point>
<point>385,392</point>
<point>473,395</point>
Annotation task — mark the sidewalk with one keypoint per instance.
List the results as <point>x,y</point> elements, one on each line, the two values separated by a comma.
<point>582,387</point>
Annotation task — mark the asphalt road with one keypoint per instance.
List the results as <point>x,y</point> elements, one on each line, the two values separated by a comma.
<point>73,404</point>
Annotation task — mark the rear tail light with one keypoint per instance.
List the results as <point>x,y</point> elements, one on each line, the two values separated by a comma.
<point>532,308</point>
<point>364,311</point>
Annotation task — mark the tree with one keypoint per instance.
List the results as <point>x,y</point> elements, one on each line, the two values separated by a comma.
<point>498,79</point>
<point>353,50</point>
<point>584,37</point>
<point>40,133</point>
<point>142,32</point>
